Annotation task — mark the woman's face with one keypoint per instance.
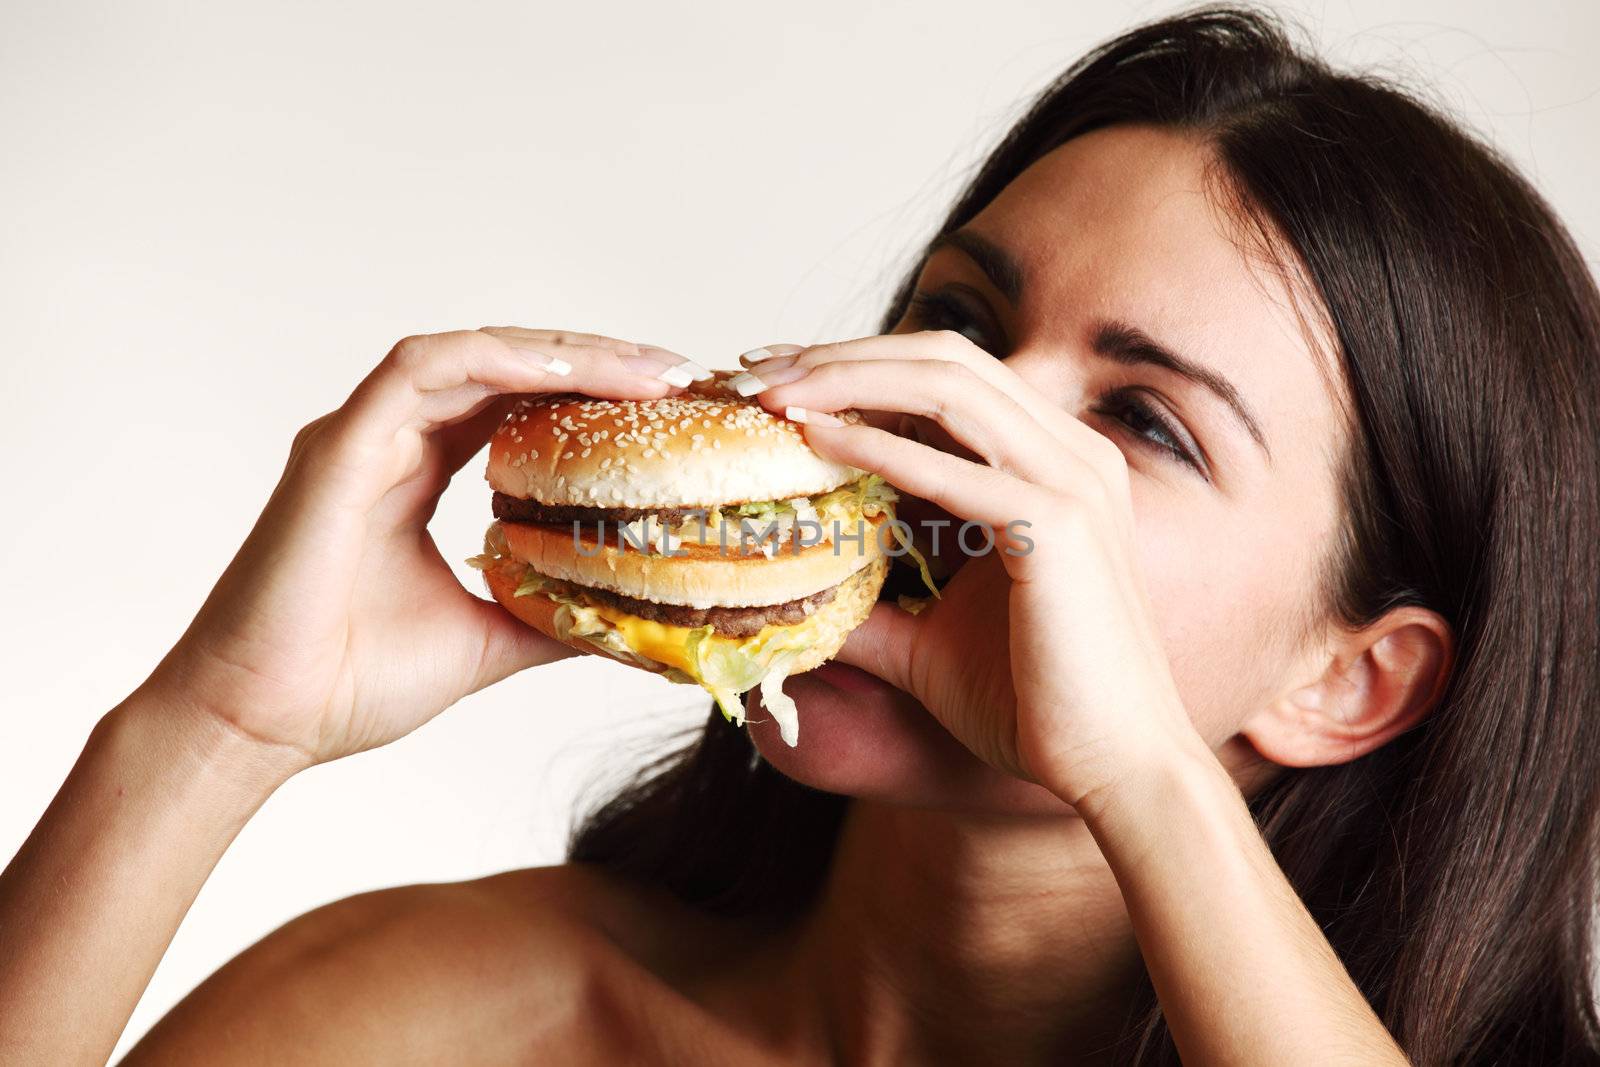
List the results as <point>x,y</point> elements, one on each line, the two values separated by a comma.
<point>1119,250</point>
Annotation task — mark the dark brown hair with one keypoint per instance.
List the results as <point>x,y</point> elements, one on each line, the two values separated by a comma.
<point>1454,869</point>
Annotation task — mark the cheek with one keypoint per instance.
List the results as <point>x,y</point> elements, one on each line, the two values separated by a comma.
<point>1220,592</point>
<point>882,745</point>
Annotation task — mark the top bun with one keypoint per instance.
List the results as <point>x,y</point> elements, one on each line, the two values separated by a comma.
<point>701,448</point>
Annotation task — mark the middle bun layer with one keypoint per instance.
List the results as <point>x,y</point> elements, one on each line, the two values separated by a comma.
<point>703,578</point>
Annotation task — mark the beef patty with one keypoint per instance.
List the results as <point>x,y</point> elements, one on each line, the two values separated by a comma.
<point>513,509</point>
<point>729,622</point>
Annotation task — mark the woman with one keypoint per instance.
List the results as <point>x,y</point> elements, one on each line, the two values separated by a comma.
<point>1278,746</point>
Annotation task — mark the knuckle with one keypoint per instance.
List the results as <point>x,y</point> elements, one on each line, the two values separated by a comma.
<point>574,338</point>
<point>826,375</point>
<point>316,444</point>
<point>1103,451</point>
<point>408,353</point>
<point>308,433</point>
<point>946,385</point>
<point>1108,462</point>
<point>951,375</point>
<point>956,342</point>
<point>825,353</point>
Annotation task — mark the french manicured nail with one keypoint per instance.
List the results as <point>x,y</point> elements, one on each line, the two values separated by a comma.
<point>811,418</point>
<point>662,369</point>
<point>751,382</point>
<point>695,371</point>
<point>756,355</point>
<point>676,376</point>
<point>548,363</point>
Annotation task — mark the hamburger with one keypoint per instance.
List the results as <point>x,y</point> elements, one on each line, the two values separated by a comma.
<point>697,537</point>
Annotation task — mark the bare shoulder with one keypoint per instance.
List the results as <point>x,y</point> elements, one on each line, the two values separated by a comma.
<point>504,969</point>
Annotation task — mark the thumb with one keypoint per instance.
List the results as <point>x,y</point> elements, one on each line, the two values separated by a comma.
<point>510,645</point>
<point>883,645</point>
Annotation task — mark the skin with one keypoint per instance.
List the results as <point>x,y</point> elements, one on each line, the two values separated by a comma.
<point>1049,764</point>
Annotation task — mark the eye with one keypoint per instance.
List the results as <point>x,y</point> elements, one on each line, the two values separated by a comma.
<point>1151,426</point>
<point>942,310</point>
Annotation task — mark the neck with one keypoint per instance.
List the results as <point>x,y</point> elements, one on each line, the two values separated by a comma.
<point>953,937</point>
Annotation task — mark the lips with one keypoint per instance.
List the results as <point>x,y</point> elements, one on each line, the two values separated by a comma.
<point>844,677</point>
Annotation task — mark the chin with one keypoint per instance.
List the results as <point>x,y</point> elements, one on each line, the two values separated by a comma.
<point>862,737</point>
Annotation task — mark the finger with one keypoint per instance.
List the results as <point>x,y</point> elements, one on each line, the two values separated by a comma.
<point>380,436</point>
<point>768,352</point>
<point>786,365</point>
<point>974,413</point>
<point>411,502</point>
<point>436,378</point>
<point>687,369</point>
<point>566,337</point>
<point>882,645</point>
<point>510,645</point>
<point>457,443</point>
<point>965,489</point>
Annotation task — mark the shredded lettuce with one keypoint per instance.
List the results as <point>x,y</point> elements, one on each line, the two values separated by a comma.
<point>920,560</point>
<point>865,497</point>
<point>532,582</point>
<point>726,671</point>
<point>729,671</point>
<point>915,605</point>
<point>779,703</point>
<point>496,556</point>
<point>868,497</point>
<point>764,510</point>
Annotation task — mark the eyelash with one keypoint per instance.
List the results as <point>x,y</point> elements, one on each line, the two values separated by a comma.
<point>937,311</point>
<point>1120,402</point>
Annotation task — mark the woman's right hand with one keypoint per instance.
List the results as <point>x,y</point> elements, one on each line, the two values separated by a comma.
<point>339,627</point>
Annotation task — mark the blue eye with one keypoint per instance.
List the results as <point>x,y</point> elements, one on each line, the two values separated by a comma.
<point>1148,424</point>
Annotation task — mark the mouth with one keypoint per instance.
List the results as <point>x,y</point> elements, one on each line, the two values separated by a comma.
<point>850,679</point>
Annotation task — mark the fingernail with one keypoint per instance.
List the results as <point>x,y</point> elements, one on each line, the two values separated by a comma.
<point>808,417</point>
<point>696,371</point>
<point>548,363</point>
<point>678,377</point>
<point>749,383</point>
<point>756,355</point>
<point>652,366</point>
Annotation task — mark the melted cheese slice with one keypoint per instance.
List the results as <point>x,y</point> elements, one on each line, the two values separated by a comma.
<point>819,635</point>
<point>669,644</point>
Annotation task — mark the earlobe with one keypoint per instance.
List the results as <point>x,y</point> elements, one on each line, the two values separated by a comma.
<point>1371,686</point>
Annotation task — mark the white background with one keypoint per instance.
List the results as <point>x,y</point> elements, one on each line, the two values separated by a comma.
<point>214,220</point>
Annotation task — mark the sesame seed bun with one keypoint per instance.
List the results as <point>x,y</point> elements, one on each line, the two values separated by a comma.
<point>701,448</point>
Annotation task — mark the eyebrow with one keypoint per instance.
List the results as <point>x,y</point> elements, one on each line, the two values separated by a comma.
<point>998,265</point>
<point>1129,345</point>
<point>1116,341</point>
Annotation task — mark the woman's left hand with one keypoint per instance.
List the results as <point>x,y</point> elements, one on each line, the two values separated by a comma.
<point>1089,696</point>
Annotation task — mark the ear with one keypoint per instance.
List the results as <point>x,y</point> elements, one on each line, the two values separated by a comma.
<point>1370,686</point>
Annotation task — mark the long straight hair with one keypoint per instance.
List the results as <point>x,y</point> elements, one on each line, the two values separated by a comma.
<point>1454,869</point>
